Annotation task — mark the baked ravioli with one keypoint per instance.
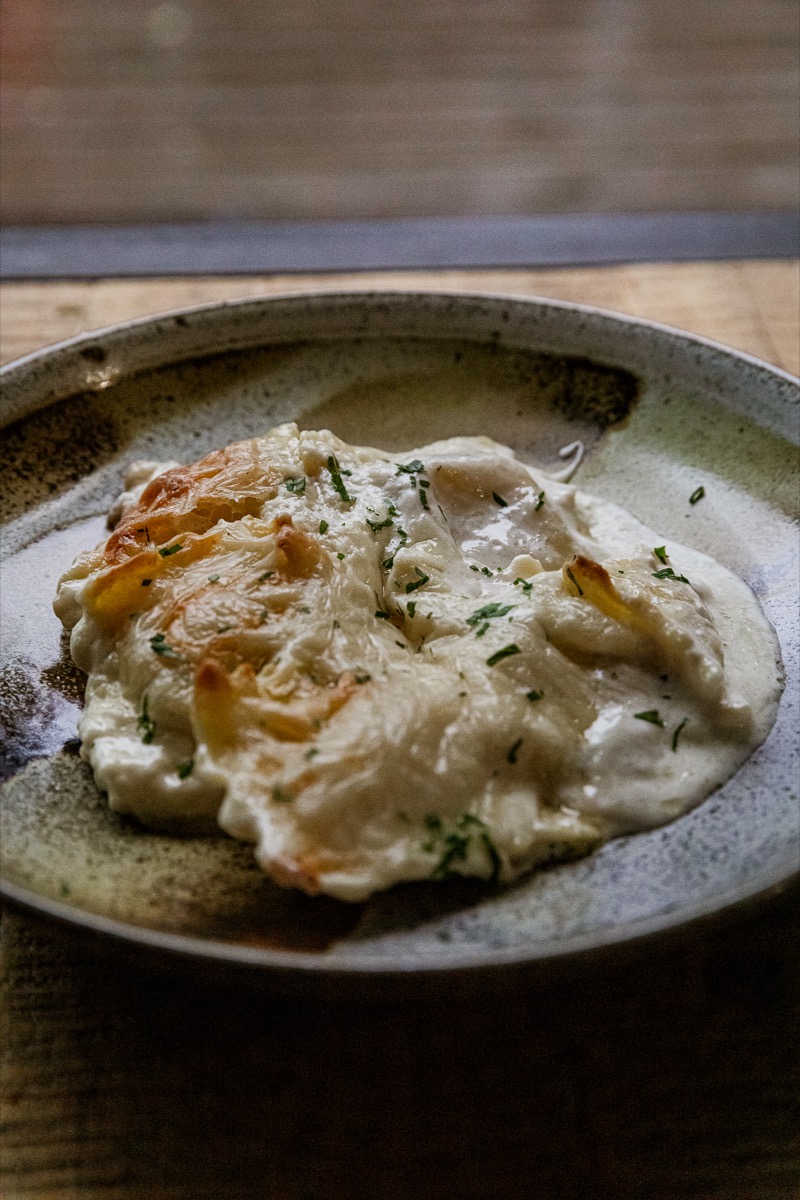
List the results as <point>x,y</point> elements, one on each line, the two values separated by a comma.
<point>381,668</point>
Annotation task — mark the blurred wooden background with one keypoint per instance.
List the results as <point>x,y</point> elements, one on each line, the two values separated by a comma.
<point>182,109</point>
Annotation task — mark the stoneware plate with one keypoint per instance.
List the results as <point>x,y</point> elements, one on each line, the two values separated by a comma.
<point>659,413</point>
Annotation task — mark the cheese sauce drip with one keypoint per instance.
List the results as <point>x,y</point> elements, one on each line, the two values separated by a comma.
<point>383,668</point>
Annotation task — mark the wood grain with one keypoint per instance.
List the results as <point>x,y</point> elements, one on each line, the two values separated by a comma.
<point>335,108</point>
<point>753,306</point>
<point>666,1075</point>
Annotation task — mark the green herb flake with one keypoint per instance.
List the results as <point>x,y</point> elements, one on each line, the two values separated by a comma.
<point>146,582</point>
<point>382,614</point>
<point>298,486</point>
<point>486,571</point>
<point>312,753</point>
<point>336,479</point>
<point>540,499</point>
<point>661,553</point>
<point>340,556</point>
<point>533,695</point>
<point>525,584</point>
<point>213,579</point>
<point>185,769</point>
<point>323,526</point>
<point>697,494</point>
<point>362,677</point>
<point>225,628</point>
<point>376,525</point>
<point>412,468</point>
<point>266,575</point>
<point>423,499</point>
<point>651,715</point>
<point>167,551</point>
<point>418,583</point>
<point>668,573</point>
<point>481,630</point>
<point>514,751</point>
<point>472,567</point>
<point>678,733</point>
<point>159,645</point>
<point>145,724</point>
<point>280,795</point>
<point>411,607</point>
<point>453,846</point>
<point>488,612</point>
<point>499,500</point>
<point>499,655</point>
<point>573,580</point>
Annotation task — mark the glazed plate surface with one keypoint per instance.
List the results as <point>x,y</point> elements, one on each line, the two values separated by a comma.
<point>658,414</point>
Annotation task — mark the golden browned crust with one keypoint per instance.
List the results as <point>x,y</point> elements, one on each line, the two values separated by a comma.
<point>224,486</point>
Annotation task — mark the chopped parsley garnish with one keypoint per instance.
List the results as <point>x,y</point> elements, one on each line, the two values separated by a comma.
<point>488,612</point>
<point>412,468</point>
<point>312,753</point>
<point>159,645</point>
<point>573,580</point>
<point>340,556</point>
<point>323,526</point>
<point>697,494</point>
<point>512,754</point>
<point>382,614</point>
<point>499,500</point>
<point>376,525</point>
<point>298,486</point>
<point>453,846</point>
<point>481,630</point>
<point>411,607</point>
<point>678,732</point>
<point>423,499</point>
<point>661,553</point>
<point>336,479</point>
<point>146,582</point>
<point>213,579</point>
<point>185,769</point>
<point>362,677</point>
<point>266,575</point>
<point>486,571</point>
<point>499,655</point>
<point>418,583</point>
<point>224,628</point>
<point>145,724</point>
<point>280,795</point>
<point>166,551</point>
<point>533,695</point>
<point>651,715</point>
<point>472,567</point>
<point>668,573</point>
<point>540,499</point>
<point>525,584</point>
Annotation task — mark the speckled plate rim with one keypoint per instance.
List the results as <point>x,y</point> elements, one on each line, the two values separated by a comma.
<point>75,364</point>
<point>784,877</point>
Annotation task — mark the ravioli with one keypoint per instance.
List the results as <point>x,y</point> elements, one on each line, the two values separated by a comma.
<point>383,668</point>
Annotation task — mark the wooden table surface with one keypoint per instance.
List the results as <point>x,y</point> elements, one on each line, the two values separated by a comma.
<point>667,1075</point>
<point>115,111</point>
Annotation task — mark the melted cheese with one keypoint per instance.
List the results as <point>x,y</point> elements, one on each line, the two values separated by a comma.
<point>380,669</point>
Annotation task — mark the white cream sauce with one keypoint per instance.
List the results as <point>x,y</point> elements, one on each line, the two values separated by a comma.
<point>503,714</point>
